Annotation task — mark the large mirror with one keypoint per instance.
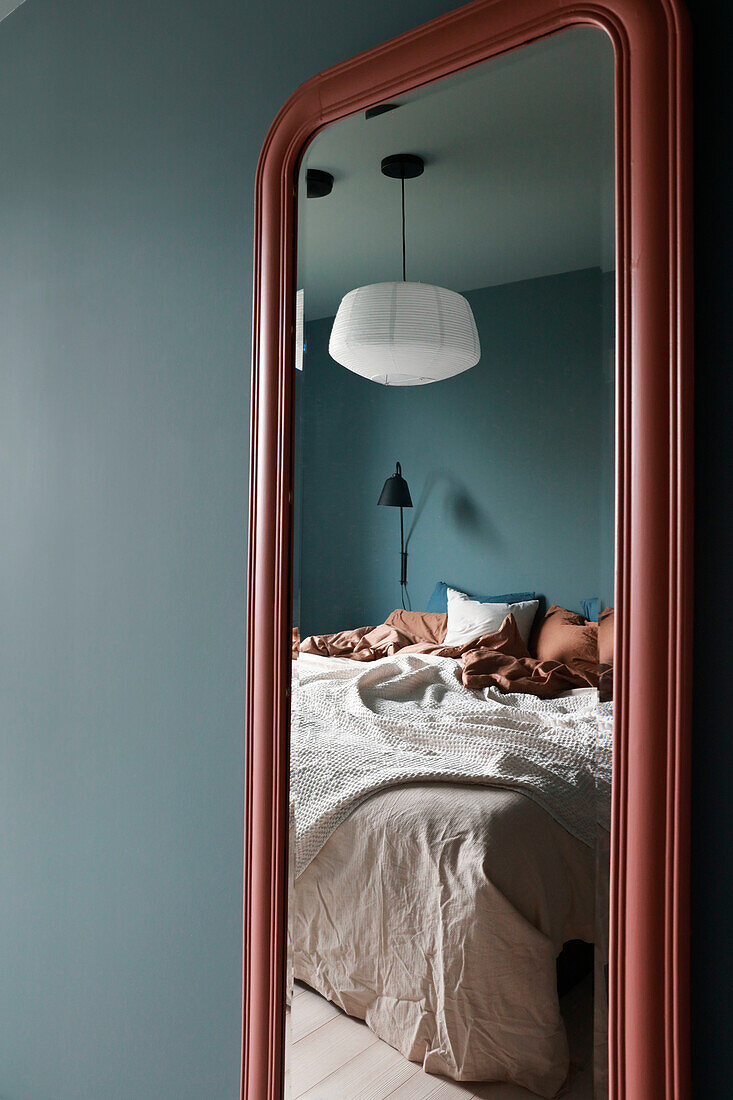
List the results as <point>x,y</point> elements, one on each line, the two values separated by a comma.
<point>453,588</point>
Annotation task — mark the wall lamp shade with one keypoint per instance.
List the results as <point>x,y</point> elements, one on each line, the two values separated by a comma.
<point>396,492</point>
<point>405,334</point>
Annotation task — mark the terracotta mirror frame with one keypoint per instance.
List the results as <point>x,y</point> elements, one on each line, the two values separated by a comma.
<point>649,982</point>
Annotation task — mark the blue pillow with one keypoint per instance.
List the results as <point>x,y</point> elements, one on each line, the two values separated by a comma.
<point>591,609</point>
<point>439,599</point>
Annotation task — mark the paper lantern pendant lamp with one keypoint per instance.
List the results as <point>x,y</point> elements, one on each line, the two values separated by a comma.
<point>404,334</point>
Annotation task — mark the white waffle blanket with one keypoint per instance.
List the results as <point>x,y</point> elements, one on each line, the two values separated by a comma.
<point>358,729</point>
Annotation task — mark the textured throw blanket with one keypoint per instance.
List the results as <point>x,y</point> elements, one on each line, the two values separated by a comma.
<point>359,729</point>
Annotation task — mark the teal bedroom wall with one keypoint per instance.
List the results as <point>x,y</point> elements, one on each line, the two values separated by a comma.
<point>508,464</point>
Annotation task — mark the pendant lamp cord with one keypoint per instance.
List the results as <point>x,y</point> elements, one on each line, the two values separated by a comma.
<point>404,276</point>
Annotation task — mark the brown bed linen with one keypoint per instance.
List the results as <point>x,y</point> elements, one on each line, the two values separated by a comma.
<point>369,643</point>
<point>605,637</point>
<point>497,660</point>
<point>424,626</point>
<point>485,667</point>
<point>435,913</point>
<point>565,637</point>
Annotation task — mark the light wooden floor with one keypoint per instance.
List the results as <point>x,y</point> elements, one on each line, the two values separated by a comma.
<point>330,1056</point>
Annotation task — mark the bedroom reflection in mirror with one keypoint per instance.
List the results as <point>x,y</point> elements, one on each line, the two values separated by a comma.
<point>451,734</point>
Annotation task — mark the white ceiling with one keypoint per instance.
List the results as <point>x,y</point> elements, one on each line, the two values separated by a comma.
<point>6,6</point>
<point>518,178</point>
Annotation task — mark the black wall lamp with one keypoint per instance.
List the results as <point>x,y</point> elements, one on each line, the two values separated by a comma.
<point>396,494</point>
<point>318,184</point>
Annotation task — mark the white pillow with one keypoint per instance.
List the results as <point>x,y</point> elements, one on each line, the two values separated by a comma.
<point>469,619</point>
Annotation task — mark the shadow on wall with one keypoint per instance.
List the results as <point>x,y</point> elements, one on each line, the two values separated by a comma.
<point>468,517</point>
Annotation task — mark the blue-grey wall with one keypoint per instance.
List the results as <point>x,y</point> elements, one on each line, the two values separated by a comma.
<point>508,463</point>
<point>129,132</point>
<point>124,323</point>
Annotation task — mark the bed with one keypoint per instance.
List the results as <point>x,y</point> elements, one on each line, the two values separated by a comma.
<point>432,897</point>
